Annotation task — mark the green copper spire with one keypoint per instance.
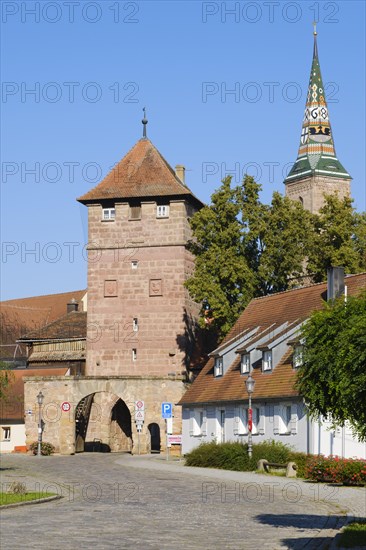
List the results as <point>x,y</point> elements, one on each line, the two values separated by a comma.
<point>316,154</point>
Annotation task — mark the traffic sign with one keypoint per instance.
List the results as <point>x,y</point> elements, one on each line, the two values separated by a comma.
<point>140,405</point>
<point>66,406</point>
<point>166,410</point>
<point>140,415</point>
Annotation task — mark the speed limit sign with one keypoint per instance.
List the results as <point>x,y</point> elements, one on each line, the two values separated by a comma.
<point>66,406</point>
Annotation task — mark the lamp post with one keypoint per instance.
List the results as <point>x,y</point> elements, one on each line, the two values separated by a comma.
<point>250,383</point>
<point>40,398</point>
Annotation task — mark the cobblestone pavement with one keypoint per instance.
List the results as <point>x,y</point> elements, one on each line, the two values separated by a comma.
<point>119,501</point>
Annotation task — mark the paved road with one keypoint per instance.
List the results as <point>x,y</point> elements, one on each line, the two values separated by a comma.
<point>119,501</point>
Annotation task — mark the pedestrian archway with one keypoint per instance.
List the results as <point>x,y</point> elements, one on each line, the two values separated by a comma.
<point>155,442</point>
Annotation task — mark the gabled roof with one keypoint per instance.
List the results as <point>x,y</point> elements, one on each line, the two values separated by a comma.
<point>292,306</point>
<point>142,173</point>
<point>69,327</point>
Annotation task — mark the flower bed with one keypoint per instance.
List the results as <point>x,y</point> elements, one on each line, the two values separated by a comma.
<point>349,471</point>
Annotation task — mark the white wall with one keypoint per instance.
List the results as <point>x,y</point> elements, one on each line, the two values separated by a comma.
<point>301,434</point>
<point>17,436</point>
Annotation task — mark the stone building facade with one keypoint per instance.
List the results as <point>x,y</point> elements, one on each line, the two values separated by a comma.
<point>141,322</point>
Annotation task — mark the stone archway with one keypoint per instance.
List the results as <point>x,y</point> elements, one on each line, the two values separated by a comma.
<point>102,424</point>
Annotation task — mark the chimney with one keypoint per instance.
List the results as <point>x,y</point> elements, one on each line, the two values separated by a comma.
<point>180,172</point>
<point>72,306</point>
<point>335,276</point>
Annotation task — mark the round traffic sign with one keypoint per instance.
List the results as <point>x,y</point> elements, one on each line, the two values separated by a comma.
<point>65,406</point>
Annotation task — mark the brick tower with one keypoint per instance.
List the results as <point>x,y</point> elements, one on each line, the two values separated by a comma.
<point>317,170</point>
<point>140,316</point>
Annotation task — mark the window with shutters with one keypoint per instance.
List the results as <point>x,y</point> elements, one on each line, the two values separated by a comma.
<point>298,354</point>
<point>198,422</point>
<point>241,421</point>
<point>285,419</point>
<point>135,213</point>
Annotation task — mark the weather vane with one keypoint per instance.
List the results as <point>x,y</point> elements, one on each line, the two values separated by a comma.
<point>144,122</point>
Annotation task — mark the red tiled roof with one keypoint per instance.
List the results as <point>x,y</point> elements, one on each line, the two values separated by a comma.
<point>27,314</point>
<point>143,172</point>
<point>12,408</point>
<point>70,326</point>
<point>276,308</point>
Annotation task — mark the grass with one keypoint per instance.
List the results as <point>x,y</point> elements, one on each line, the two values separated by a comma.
<point>10,498</point>
<point>353,535</point>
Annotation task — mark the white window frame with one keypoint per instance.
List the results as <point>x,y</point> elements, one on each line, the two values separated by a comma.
<point>6,433</point>
<point>135,324</point>
<point>241,421</point>
<point>219,367</point>
<point>267,360</point>
<point>134,264</point>
<point>298,356</point>
<point>162,210</point>
<point>108,214</point>
<point>245,363</point>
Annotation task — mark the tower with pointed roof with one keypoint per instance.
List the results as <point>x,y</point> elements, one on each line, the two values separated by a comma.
<point>140,315</point>
<point>317,170</point>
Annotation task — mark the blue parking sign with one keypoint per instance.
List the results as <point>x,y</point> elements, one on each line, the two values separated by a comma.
<point>166,410</point>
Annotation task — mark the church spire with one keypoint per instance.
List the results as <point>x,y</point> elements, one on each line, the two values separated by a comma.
<point>316,155</point>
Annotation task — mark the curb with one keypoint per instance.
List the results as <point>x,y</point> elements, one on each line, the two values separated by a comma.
<point>34,501</point>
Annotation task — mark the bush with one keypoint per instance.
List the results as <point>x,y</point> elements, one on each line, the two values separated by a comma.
<point>47,449</point>
<point>17,488</point>
<point>234,456</point>
<point>336,470</point>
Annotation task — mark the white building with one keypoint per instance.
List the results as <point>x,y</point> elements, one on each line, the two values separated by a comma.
<point>265,342</point>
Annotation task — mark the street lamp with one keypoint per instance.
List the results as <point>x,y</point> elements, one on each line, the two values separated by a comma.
<point>40,398</point>
<point>250,383</point>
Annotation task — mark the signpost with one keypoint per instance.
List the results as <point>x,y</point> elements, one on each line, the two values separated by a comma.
<point>167,415</point>
<point>139,420</point>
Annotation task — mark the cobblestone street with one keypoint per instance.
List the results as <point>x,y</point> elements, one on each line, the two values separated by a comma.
<point>119,501</point>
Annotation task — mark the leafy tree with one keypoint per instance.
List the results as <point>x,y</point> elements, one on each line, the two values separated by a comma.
<point>332,378</point>
<point>222,273</point>
<point>339,238</point>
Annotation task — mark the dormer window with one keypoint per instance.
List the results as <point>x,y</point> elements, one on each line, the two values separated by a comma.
<point>298,356</point>
<point>162,211</point>
<point>108,214</point>
<point>267,360</point>
<point>218,371</point>
<point>245,363</point>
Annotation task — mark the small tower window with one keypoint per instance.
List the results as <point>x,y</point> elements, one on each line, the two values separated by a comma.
<point>134,264</point>
<point>135,324</point>
<point>109,214</point>
<point>162,211</point>
<point>134,354</point>
<point>245,363</point>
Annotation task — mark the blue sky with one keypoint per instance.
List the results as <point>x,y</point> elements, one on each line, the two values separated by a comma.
<point>93,66</point>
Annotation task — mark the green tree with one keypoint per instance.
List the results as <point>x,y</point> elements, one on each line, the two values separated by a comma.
<point>222,273</point>
<point>332,378</point>
<point>339,238</point>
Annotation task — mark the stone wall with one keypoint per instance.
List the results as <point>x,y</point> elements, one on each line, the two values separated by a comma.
<point>311,190</point>
<point>60,425</point>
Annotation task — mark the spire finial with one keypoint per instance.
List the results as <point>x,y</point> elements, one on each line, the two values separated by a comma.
<point>144,122</point>
<point>314,25</point>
